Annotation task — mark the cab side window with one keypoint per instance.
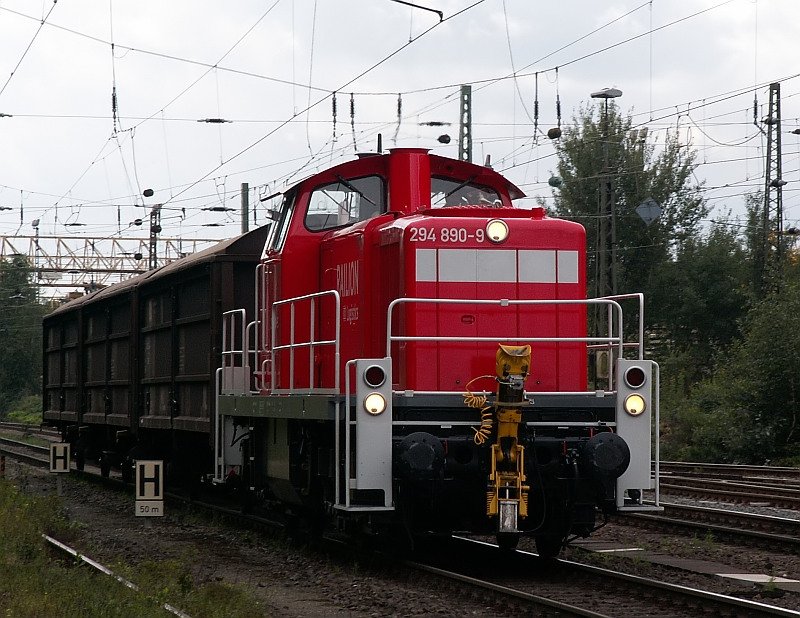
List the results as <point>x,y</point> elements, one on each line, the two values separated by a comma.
<point>280,223</point>
<point>345,202</point>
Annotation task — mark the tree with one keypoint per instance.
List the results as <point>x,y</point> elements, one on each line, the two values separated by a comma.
<point>20,332</point>
<point>638,171</point>
<point>702,295</point>
<point>749,410</point>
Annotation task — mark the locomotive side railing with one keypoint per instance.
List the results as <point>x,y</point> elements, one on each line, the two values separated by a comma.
<point>235,353</point>
<point>260,313</point>
<point>639,343</point>
<point>313,300</point>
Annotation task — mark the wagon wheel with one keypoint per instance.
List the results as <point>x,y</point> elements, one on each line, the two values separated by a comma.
<point>105,467</point>
<point>80,455</point>
<point>549,545</point>
<point>508,540</point>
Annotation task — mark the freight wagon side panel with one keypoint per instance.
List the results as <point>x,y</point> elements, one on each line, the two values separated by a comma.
<point>120,369</point>
<point>194,359</point>
<point>156,357</point>
<point>95,364</point>
<point>52,370</point>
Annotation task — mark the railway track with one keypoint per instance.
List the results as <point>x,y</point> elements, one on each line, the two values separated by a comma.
<point>755,529</point>
<point>732,471</point>
<point>560,588</point>
<point>579,589</point>
<point>32,454</point>
<point>39,431</point>
<point>728,491</point>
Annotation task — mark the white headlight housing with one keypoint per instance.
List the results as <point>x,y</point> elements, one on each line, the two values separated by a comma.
<point>497,230</point>
<point>374,403</point>
<point>635,404</point>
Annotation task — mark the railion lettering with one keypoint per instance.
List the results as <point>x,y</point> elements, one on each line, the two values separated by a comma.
<point>347,278</point>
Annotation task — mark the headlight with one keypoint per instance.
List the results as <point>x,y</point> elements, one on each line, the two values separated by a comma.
<point>635,404</point>
<point>374,403</point>
<point>497,230</point>
<point>374,376</point>
<point>634,377</point>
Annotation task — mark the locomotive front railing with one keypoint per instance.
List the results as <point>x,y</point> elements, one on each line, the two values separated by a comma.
<point>613,341</point>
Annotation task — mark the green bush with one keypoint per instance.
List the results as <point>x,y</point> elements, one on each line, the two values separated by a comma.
<point>26,410</point>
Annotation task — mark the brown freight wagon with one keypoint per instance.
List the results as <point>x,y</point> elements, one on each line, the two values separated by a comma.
<point>129,370</point>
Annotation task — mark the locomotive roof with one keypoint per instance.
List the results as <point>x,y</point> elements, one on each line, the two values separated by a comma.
<point>481,174</point>
<point>244,247</point>
<point>440,166</point>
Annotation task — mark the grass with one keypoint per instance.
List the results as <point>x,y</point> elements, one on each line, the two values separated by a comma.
<point>27,410</point>
<point>36,581</point>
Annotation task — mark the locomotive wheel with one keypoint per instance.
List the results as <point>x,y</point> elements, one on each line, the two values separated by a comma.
<point>508,540</point>
<point>548,546</point>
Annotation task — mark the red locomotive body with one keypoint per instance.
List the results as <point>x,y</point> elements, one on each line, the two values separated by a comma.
<point>406,245</point>
<point>386,286</point>
<point>414,353</point>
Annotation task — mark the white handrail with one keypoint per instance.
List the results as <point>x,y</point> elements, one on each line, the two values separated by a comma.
<point>505,302</point>
<point>293,345</point>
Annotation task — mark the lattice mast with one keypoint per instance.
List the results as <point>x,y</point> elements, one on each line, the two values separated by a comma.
<point>773,192</point>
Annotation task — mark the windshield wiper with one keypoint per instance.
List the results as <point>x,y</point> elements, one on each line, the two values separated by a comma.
<point>353,188</point>
<point>457,187</point>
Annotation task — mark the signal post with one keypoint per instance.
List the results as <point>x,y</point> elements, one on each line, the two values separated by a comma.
<point>59,462</point>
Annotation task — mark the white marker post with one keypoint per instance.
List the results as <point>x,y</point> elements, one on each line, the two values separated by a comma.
<point>149,489</point>
<point>59,462</point>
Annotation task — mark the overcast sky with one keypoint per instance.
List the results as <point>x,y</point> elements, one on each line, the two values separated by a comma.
<point>692,66</point>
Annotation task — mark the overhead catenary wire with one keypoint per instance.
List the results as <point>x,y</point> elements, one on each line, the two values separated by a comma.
<point>354,91</point>
<point>28,48</point>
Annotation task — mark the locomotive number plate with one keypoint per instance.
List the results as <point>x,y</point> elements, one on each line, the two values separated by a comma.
<point>446,234</point>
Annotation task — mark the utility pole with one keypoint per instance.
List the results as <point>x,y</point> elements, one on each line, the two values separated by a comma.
<point>155,230</point>
<point>606,256</point>
<point>465,124</point>
<point>245,208</point>
<point>773,194</point>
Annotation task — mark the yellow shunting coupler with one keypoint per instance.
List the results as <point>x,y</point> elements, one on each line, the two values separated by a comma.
<point>507,495</point>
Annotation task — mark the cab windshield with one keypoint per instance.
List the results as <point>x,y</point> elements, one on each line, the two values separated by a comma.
<point>449,192</point>
<point>345,202</point>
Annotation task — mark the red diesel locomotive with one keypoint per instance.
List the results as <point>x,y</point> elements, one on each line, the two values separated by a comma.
<point>412,351</point>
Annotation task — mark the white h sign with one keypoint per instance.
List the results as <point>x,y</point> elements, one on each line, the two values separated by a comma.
<point>149,488</point>
<point>59,457</point>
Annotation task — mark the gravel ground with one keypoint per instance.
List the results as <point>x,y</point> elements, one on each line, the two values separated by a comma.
<point>293,582</point>
<point>704,548</point>
<point>288,581</point>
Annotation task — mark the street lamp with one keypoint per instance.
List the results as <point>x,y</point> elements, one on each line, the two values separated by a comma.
<point>606,279</point>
